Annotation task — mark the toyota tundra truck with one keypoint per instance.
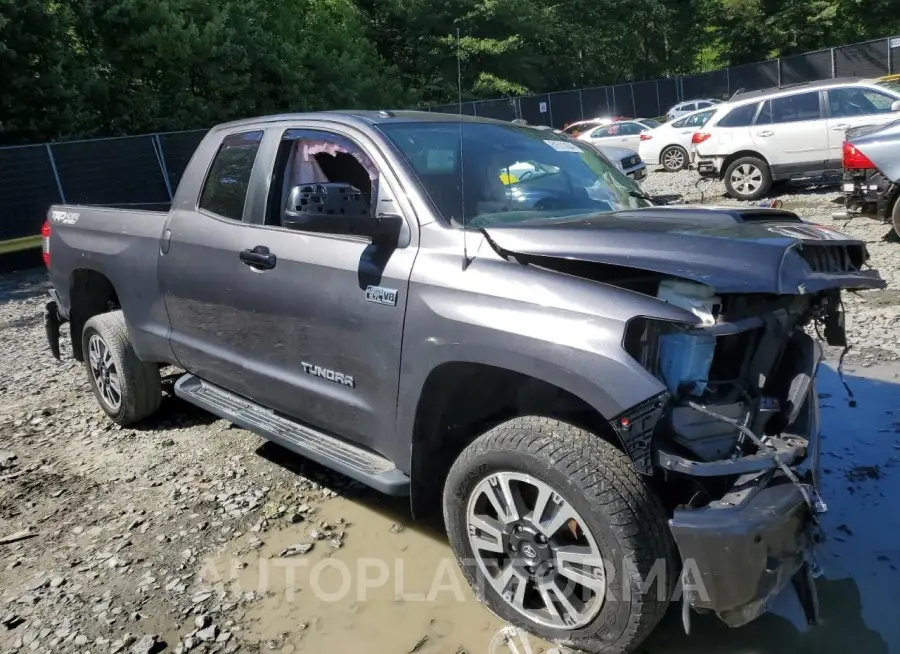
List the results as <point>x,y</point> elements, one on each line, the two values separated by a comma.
<point>613,403</point>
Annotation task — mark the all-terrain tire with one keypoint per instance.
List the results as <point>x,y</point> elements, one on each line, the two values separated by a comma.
<point>759,179</point>
<point>625,518</point>
<point>674,158</point>
<point>138,390</point>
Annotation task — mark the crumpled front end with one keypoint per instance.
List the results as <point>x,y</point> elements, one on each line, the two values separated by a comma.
<point>729,437</point>
<point>736,438</point>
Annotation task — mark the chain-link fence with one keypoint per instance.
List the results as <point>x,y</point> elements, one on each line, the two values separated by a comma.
<point>137,171</point>
<point>145,170</point>
<point>654,98</point>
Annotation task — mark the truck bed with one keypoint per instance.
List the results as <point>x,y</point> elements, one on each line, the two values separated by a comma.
<point>122,245</point>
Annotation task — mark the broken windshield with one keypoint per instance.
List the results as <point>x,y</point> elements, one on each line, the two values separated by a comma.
<point>480,174</point>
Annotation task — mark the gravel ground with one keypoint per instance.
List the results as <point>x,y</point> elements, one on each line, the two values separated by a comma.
<point>103,530</point>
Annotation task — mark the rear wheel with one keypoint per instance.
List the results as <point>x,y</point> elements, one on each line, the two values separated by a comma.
<point>674,158</point>
<point>558,535</point>
<point>748,178</point>
<point>127,388</point>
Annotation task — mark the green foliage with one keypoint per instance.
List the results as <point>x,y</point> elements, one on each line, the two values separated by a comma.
<point>71,68</point>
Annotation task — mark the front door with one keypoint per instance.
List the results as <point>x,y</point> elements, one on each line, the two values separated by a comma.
<point>854,106</point>
<point>327,318</point>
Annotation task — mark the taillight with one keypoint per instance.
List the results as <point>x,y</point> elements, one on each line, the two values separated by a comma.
<point>699,137</point>
<point>645,136</point>
<point>853,159</point>
<point>45,243</point>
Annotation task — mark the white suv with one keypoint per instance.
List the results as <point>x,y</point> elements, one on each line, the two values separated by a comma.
<point>793,132</point>
<point>685,108</point>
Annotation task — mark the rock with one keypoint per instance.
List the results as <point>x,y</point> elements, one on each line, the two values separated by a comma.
<point>201,597</point>
<point>37,583</point>
<point>120,644</point>
<point>168,442</point>
<point>146,645</point>
<point>295,549</point>
<point>80,640</point>
<point>202,621</point>
<point>396,528</point>
<point>208,634</point>
<point>56,582</point>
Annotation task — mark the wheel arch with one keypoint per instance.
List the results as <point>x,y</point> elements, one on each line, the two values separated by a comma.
<point>90,293</point>
<point>740,154</point>
<point>460,400</point>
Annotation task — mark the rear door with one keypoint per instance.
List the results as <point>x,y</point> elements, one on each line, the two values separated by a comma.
<point>199,265</point>
<point>629,135</point>
<point>854,106</point>
<point>792,133</point>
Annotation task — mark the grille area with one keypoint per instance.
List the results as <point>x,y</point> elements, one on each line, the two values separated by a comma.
<point>833,258</point>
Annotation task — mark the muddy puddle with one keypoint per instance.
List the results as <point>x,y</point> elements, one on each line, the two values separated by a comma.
<point>391,588</point>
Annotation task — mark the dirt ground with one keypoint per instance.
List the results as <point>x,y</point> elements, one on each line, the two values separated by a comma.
<point>188,534</point>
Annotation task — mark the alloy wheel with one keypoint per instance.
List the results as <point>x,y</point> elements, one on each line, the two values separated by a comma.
<point>746,179</point>
<point>534,550</point>
<point>105,372</point>
<point>673,159</point>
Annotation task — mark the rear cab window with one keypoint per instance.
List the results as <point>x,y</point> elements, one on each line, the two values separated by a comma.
<point>225,189</point>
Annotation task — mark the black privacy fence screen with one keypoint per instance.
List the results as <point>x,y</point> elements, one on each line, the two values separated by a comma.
<point>144,171</point>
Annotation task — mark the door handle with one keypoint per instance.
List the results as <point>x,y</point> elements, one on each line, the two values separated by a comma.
<point>841,127</point>
<point>259,258</point>
<point>766,133</point>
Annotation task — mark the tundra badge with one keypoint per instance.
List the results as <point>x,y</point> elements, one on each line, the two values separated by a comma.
<point>330,375</point>
<point>381,295</point>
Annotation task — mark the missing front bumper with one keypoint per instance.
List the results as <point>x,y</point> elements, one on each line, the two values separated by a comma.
<point>742,551</point>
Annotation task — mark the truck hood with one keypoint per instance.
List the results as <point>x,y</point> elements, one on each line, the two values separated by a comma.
<point>734,250</point>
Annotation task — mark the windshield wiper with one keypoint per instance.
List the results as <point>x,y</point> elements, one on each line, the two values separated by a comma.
<point>642,196</point>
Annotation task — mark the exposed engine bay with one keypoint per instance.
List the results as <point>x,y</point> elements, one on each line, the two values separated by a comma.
<point>748,366</point>
<point>730,442</point>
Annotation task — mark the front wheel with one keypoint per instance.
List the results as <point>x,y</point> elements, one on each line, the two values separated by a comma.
<point>557,534</point>
<point>748,178</point>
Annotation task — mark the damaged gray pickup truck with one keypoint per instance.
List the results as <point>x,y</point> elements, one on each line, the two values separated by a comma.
<point>611,401</point>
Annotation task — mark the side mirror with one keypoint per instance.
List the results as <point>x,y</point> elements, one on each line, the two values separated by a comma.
<point>335,208</point>
<point>895,106</point>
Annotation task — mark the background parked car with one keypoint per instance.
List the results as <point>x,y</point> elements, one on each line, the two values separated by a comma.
<point>685,108</point>
<point>872,172</point>
<point>626,160</point>
<point>669,145</point>
<point>793,132</point>
<point>580,127</point>
<point>623,134</point>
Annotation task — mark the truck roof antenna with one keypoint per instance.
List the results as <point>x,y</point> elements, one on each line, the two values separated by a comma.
<point>462,174</point>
